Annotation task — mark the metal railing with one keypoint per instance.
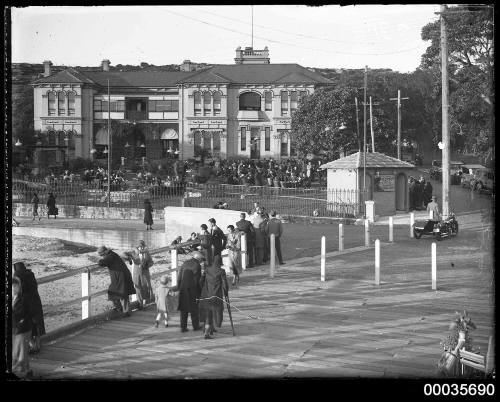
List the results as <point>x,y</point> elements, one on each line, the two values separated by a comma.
<point>316,201</point>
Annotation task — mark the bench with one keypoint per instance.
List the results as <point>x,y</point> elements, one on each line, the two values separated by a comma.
<point>486,364</point>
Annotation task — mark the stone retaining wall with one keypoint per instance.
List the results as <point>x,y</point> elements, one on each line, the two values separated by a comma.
<point>75,211</point>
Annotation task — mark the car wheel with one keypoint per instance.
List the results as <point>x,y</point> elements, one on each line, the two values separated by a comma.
<point>417,234</point>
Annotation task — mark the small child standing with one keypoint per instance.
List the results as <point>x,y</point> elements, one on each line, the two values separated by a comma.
<point>163,305</point>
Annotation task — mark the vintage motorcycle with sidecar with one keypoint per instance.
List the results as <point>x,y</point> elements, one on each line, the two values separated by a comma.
<point>439,229</point>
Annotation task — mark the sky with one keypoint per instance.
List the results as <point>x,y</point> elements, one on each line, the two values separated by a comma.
<point>351,37</point>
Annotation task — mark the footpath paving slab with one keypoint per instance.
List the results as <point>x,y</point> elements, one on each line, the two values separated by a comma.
<point>294,325</point>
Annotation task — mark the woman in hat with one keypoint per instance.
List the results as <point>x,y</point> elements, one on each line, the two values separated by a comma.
<point>121,286</point>
<point>148,214</point>
<point>233,246</point>
<point>51,206</point>
<point>29,287</point>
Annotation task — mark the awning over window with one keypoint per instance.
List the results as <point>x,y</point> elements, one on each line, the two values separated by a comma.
<point>101,137</point>
<point>169,134</point>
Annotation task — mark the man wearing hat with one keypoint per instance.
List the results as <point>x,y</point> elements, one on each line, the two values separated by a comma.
<point>275,227</point>
<point>121,285</point>
<point>218,237</point>
<point>188,286</point>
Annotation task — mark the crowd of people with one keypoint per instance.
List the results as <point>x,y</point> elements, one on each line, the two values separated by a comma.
<point>420,193</point>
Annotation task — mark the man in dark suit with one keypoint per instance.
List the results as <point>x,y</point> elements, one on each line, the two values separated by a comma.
<point>188,285</point>
<point>275,227</point>
<point>218,237</point>
<point>246,226</point>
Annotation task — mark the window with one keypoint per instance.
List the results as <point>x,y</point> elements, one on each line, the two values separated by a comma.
<point>267,139</point>
<point>61,103</point>
<point>243,138</point>
<point>197,104</point>
<point>293,149</point>
<point>71,141</point>
<point>197,139</point>
<point>217,106</point>
<point>207,103</point>
<point>284,103</point>
<point>163,106</point>
<point>71,103</point>
<point>293,101</point>
<point>207,141</point>
<point>216,141</point>
<point>51,138</point>
<point>269,100</point>
<point>114,106</point>
<point>302,95</point>
<point>60,138</point>
<point>284,143</point>
<point>52,103</point>
<point>250,101</point>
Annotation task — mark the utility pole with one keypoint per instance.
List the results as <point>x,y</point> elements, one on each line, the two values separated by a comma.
<point>109,147</point>
<point>364,133</point>
<point>399,99</point>
<point>371,126</point>
<point>444,106</point>
<point>357,124</point>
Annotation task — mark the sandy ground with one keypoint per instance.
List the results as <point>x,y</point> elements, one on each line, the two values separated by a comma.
<point>49,256</point>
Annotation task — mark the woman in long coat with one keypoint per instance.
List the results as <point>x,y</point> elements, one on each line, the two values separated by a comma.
<point>29,288</point>
<point>148,214</point>
<point>141,275</point>
<point>214,287</point>
<point>121,286</point>
<point>51,206</point>
<point>233,246</point>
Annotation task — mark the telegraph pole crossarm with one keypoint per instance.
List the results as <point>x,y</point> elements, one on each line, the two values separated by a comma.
<point>399,99</point>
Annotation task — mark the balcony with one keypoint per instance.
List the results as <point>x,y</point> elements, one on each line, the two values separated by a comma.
<point>136,115</point>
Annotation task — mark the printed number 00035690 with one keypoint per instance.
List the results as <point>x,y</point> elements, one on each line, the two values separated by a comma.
<point>459,389</point>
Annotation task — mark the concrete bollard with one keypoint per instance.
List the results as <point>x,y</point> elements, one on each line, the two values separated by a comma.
<point>323,258</point>
<point>434,265</point>
<point>412,221</point>
<point>86,313</point>
<point>341,237</point>
<point>173,265</point>
<point>272,260</point>
<point>377,262</point>
<point>244,255</point>
<point>391,229</point>
<point>367,233</point>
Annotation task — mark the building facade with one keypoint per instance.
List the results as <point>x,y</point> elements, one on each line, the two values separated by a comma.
<point>226,111</point>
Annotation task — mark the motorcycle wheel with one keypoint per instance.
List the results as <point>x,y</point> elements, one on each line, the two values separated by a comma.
<point>455,228</point>
<point>438,236</point>
<point>417,234</point>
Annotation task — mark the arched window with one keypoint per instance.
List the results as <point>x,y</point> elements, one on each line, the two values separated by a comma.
<point>71,103</point>
<point>61,103</point>
<point>51,137</point>
<point>197,138</point>
<point>269,100</point>
<point>60,138</point>
<point>71,139</point>
<point>250,101</point>
<point>217,104</point>
<point>52,103</point>
<point>293,101</point>
<point>197,103</point>
<point>207,103</point>
<point>284,103</point>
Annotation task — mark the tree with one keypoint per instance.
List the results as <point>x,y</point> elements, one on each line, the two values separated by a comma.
<point>471,74</point>
<point>316,123</point>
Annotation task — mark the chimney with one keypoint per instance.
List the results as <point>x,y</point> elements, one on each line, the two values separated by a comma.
<point>46,68</point>
<point>105,65</point>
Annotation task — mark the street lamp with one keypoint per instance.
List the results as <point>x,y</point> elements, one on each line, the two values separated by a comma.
<point>18,143</point>
<point>66,139</point>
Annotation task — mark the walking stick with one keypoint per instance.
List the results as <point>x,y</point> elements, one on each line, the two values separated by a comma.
<point>229,312</point>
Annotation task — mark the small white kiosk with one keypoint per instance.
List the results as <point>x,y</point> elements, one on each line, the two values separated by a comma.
<point>385,178</point>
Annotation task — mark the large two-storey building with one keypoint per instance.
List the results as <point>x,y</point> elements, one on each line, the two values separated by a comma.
<point>238,110</point>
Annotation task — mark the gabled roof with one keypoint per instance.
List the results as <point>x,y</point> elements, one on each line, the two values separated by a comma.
<point>373,160</point>
<point>228,74</point>
<point>259,74</point>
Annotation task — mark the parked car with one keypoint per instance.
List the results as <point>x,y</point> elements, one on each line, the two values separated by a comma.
<point>467,173</point>
<point>484,180</point>
<point>436,171</point>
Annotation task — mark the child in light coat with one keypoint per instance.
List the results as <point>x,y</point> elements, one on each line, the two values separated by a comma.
<point>164,300</point>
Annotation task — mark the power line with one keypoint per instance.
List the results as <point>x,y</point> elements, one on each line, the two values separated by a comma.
<point>291,44</point>
<point>302,35</point>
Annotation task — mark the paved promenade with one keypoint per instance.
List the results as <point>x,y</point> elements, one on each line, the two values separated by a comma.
<point>294,325</point>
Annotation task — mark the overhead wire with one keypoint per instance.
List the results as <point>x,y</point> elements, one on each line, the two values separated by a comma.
<point>291,44</point>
